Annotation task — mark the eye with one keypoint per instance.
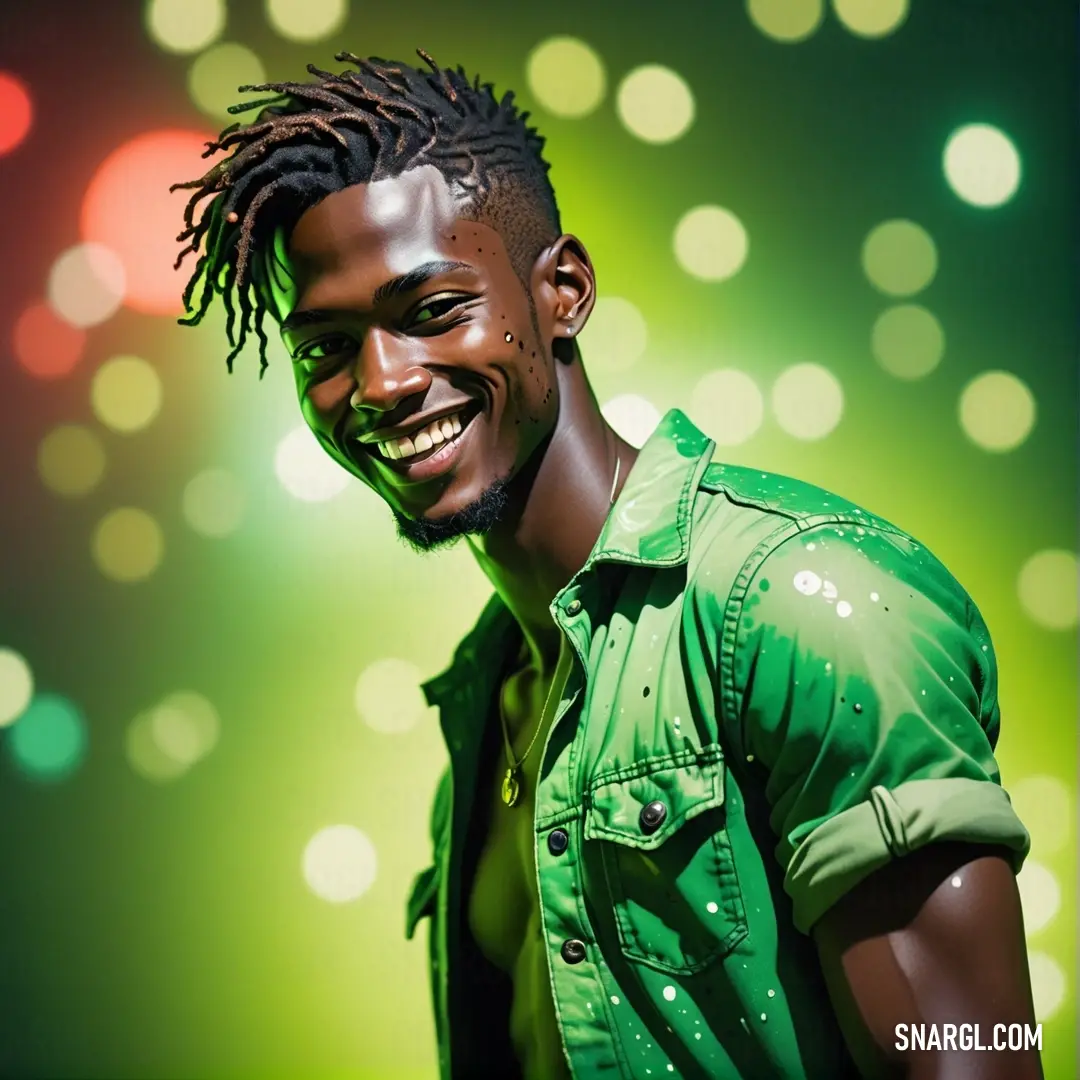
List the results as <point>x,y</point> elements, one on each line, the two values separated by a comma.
<point>310,353</point>
<point>436,308</point>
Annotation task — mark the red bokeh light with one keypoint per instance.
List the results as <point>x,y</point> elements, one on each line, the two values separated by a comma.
<point>128,208</point>
<point>45,345</point>
<point>16,112</point>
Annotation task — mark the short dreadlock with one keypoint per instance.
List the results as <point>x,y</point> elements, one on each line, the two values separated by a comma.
<point>312,139</point>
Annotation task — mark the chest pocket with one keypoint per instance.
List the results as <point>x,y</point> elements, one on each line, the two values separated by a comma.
<point>667,859</point>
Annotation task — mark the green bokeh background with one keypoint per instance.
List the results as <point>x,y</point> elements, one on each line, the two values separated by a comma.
<point>161,931</point>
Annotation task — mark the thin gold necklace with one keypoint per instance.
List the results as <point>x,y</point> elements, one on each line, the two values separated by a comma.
<point>511,785</point>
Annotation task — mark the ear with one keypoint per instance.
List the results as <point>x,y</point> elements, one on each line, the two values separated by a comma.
<point>563,288</point>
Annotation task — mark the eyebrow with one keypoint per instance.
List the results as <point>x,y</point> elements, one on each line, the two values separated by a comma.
<point>388,290</point>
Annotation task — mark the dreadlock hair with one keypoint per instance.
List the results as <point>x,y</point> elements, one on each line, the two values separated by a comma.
<point>312,139</point>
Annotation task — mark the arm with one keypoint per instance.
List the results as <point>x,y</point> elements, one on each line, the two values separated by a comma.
<point>865,685</point>
<point>907,946</point>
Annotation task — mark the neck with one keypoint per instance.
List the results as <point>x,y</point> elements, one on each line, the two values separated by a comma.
<point>558,504</point>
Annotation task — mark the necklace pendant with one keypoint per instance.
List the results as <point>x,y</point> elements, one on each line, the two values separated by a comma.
<point>511,787</point>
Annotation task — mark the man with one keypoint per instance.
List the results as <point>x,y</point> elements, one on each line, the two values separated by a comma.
<point>722,799</point>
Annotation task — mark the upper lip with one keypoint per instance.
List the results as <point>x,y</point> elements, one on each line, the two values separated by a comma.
<point>399,431</point>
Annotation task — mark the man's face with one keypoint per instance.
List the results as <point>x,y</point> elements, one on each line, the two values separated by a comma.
<point>416,351</point>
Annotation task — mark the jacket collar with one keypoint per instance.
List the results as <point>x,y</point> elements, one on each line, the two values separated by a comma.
<point>650,521</point>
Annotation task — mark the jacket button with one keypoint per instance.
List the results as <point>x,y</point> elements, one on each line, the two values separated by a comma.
<point>573,951</point>
<point>573,607</point>
<point>558,841</point>
<point>652,816</point>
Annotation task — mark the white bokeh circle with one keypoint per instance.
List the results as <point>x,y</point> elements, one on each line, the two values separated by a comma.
<point>634,417</point>
<point>711,243</point>
<point>727,405</point>
<point>808,401</point>
<point>340,864</point>
<point>305,469</point>
<point>388,695</point>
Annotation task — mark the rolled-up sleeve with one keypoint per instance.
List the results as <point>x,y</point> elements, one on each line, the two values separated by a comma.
<point>866,688</point>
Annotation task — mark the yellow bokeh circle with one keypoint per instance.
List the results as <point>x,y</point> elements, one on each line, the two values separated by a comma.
<point>872,18</point>
<point>307,20</point>
<point>16,686</point>
<point>711,243</point>
<point>788,21</point>
<point>126,394</point>
<point>1048,985</point>
<point>128,545</point>
<point>213,503</point>
<point>1045,804</point>
<point>616,335</point>
<point>808,401</point>
<point>185,26</point>
<point>908,341</point>
<point>727,405</point>
<point>1047,586</point>
<point>566,77</point>
<point>655,104</point>
<point>899,257</point>
<point>997,411</point>
<point>215,75</point>
<point>71,460</point>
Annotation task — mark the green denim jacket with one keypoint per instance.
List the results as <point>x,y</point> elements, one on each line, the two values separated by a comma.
<point>808,693</point>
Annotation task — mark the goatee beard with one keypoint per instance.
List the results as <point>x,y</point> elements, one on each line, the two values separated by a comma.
<point>476,519</point>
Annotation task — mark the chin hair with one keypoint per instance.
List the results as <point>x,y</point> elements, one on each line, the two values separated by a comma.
<point>477,518</point>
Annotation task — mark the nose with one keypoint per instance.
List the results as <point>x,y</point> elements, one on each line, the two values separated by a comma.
<point>385,374</point>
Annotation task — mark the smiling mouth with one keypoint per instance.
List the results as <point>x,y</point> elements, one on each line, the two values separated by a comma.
<point>425,443</point>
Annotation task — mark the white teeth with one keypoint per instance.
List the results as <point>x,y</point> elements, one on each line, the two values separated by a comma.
<point>435,434</point>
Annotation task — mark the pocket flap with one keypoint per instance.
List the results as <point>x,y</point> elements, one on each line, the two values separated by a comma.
<point>685,784</point>
<point>421,903</point>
